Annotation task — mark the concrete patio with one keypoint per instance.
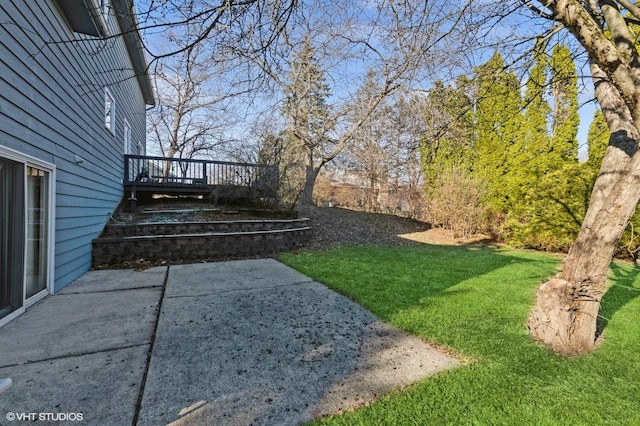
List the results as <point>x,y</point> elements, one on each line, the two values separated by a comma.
<point>229,343</point>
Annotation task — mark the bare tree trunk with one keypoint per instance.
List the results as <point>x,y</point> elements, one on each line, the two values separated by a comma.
<point>171,152</point>
<point>565,315</point>
<point>310,175</point>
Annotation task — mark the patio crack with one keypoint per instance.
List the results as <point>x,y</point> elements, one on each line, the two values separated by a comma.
<point>73,355</point>
<point>136,413</point>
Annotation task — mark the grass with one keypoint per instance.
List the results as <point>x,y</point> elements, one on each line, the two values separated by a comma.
<point>474,302</point>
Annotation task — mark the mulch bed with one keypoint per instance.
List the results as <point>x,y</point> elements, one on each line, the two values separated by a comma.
<point>334,227</point>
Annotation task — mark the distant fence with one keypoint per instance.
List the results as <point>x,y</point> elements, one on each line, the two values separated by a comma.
<point>148,172</point>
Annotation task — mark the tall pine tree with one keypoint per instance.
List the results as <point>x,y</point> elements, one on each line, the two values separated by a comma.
<point>597,140</point>
<point>522,147</point>
<point>534,143</point>
<point>531,153</point>
<point>449,135</point>
<point>308,113</point>
<point>498,124</point>
<point>454,194</point>
<point>549,213</point>
<point>564,92</point>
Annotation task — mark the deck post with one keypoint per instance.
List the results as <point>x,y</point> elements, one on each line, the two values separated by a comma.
<point>126,168</point>
<point>204,173</point>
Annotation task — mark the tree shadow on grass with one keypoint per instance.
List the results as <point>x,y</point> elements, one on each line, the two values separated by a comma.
<point>471,299</point>
<point>394,279</point>
<point>621,291</point>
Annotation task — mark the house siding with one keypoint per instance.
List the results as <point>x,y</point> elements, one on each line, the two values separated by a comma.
<point>52,108</point>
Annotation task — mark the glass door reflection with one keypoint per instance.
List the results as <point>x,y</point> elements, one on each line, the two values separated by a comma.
<point>37,231</point>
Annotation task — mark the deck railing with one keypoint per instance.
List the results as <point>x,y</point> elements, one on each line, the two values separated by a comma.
<point>160,172</point>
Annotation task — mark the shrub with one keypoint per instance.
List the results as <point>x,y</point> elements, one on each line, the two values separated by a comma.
<point>456,202</point>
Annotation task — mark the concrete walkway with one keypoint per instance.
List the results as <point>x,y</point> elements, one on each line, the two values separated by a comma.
<point>231,343</point>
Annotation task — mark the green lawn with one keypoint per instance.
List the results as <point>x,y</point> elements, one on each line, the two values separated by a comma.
<point>474,302</point>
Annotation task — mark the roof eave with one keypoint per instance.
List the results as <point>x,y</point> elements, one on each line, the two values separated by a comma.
<point>135,48</point>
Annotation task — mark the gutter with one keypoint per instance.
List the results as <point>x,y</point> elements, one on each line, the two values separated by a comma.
<point>128,24</point>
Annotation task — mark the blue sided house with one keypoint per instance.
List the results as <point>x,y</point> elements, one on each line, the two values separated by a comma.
<point>73,95</point>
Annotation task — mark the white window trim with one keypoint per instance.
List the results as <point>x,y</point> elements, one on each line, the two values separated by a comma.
<point>112,117</point>
<point>28,160</point>
<point>12,316</point>
<point>50,235</point>
<point>126,136</point>
<point>105,8</point>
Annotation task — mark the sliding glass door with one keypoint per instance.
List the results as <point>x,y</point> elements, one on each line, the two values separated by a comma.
<point>12,225</point>
<point>25,232</point>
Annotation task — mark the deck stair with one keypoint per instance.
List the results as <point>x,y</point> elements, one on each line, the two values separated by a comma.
<point>193,233</point>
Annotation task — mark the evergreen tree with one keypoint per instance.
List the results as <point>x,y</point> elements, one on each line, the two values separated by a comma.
<point>286,153</point>
<point>564,92</point>
<point>306,97</point>
<point>597,140</point>
<point>308,113</point>
<point>498,129</point>
<point>556,209</point>
<point>449,137</point>
<point>536,108</point>
<point>555,186</point>
<point>455,197</point>
<point>522,149</point>
<point>534,147</point>
<point>532,153</point>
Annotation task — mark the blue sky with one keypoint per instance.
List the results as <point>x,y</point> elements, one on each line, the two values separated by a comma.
<point>347,75</point>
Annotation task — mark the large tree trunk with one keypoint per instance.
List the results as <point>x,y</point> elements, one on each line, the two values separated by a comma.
<point>565,315</point>
<point>310,174</point>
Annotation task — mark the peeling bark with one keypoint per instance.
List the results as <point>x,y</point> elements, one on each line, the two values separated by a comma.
<point>557,304</point>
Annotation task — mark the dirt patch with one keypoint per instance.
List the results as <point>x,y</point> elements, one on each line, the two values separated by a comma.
<point>334,227</point>
<point>440,236</point>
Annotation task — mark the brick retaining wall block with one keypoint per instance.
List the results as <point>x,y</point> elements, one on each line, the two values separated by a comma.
<point>175,228</point>
<point>194,246</point>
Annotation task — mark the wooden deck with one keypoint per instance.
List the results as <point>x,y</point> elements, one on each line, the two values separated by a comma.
<point>218,179</point>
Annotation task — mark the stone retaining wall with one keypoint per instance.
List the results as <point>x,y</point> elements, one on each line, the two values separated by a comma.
<point>195,246</point>
<point>118,230</point>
